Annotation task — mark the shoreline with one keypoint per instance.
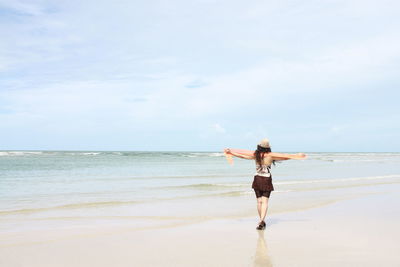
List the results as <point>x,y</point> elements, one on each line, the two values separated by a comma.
<point>361,231</point>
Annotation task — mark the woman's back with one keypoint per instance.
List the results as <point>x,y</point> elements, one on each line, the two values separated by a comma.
<point>264,168</point>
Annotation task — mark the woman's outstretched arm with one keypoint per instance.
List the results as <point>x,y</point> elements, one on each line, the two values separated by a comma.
<point>282,156</point>
<point>238,154</point>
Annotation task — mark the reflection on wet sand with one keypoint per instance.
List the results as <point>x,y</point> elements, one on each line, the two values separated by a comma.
<point>261,257</point>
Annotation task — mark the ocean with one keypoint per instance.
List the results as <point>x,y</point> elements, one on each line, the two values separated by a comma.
<point>63,189</point>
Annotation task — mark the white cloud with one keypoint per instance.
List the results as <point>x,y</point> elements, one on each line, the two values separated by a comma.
<point>219,129</point>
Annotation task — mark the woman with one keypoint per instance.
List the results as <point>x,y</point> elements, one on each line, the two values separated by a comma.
<point>262,183</point>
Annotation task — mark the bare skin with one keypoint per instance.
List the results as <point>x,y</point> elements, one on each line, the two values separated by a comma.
<point>262,207</point>
<point>262,202</point>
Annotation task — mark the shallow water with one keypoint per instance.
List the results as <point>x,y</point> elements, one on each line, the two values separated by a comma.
<point>86,187</point>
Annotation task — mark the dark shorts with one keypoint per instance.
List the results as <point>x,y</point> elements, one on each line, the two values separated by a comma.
<point>260,193</point>
<point>262,186</point>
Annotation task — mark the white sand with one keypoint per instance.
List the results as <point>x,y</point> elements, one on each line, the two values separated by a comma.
<point>363,231</point>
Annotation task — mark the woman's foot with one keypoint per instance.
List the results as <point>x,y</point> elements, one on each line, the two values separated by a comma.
<point>261,226</point>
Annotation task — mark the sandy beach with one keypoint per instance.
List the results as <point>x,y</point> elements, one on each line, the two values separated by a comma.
<point>361,230</point>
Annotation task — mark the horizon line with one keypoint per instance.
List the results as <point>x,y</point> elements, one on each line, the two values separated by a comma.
<point>203,151</point>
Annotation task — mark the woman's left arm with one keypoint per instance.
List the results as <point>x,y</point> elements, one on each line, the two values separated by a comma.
<point>282,156</point>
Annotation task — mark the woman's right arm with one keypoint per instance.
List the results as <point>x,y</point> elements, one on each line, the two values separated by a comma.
<point>239,155</point>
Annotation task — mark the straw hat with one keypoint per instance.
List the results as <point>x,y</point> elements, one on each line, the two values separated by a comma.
<point>264,143</point>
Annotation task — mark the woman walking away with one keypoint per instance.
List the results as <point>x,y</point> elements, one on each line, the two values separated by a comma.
<point>262,183</point>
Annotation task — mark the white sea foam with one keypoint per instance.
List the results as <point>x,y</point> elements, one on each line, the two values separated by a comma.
<point>20,153</point>
<point>80,153</point>
<point>216,155</point>
<point>203,154</point>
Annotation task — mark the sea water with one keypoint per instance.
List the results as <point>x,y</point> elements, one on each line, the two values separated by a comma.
<point>76,188</point>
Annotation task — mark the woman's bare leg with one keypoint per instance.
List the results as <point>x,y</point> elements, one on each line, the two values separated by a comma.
<point>259,206</point>
<point>264,207</point>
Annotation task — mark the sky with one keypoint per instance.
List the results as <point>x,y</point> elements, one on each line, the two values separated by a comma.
<point>200,75</point>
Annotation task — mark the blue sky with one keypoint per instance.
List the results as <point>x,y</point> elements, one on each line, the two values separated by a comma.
<point>200,75</point>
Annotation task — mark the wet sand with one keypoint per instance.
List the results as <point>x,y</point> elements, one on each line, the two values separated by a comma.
<point>361,230</point>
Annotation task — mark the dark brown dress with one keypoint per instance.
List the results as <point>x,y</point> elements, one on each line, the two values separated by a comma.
<point>262,183</point>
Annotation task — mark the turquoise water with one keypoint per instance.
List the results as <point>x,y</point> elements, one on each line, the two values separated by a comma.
<point>84,184</point>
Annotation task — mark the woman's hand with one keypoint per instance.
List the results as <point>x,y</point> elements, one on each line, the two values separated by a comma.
<point>302,155</point>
